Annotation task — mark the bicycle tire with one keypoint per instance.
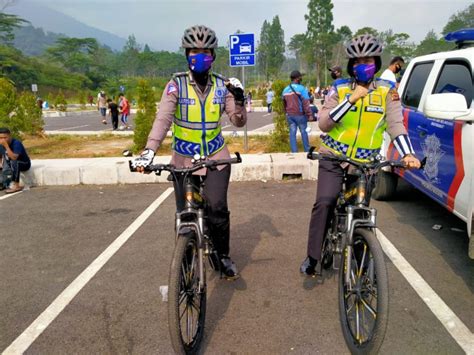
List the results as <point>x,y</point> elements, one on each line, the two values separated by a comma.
<point>375,338</point>
<point>186,249</point>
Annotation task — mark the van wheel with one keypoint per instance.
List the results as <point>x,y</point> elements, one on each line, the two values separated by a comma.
<point>385,185</point>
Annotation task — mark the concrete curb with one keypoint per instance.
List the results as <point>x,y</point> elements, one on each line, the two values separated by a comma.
<point>109,171</point>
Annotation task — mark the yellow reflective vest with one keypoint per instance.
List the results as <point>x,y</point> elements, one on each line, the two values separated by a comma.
<point>359,134</point>
<point>196,128</point>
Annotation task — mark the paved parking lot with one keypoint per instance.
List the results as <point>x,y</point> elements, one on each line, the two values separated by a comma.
<point>50,235</point>
<point>92,122</point>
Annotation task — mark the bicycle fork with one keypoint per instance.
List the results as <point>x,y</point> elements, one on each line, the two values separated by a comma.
<point>351,225</point>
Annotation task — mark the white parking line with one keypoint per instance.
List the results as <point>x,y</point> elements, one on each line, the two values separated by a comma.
<point>458,330</point>
<point>23,342</point>
<point>10,195</point>
<point>66,128</point>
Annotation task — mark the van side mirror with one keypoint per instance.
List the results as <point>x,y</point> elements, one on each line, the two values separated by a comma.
<point>447,106</point>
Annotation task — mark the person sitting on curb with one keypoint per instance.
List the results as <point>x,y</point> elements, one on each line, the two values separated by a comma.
<point>13,157</point>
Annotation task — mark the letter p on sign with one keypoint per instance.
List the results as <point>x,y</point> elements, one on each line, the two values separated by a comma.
<point>233,41</point>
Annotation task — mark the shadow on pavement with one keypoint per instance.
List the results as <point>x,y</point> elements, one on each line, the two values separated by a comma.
<point>223,291</point>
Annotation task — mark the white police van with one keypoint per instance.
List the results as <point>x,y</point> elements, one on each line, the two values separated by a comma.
<point>436,93</point>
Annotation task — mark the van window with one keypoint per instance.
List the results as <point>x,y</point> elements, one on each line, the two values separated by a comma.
<point>455,77</point>
<point>416,83</point>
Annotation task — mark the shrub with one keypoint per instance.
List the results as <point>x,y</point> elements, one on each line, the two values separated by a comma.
<point>146,101</point>
<point>19,112</point>
<point>280,139</point>
<point>60,102</point>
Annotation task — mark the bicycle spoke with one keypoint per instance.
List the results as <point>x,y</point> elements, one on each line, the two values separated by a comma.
<point>362,261</point>
<point>183,296</point>
<point>357,322</point>
<point>369,308</point>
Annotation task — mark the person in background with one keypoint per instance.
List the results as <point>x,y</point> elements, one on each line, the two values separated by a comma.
<point>395,66</point>
<point>314,109</point>
<point>336,72</point>
<point>125,109</point>
<point>102,105</point>
<point>298,112</point>
<point>249,102</point>
<point>13,156</point>
<point>270,95</point>
<point>113,113</point>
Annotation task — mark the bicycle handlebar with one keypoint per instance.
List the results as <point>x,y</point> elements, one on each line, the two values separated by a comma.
<point>377,164</point>
<point>196,166</point>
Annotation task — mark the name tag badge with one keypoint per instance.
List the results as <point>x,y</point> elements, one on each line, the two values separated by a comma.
<point>185,101</point>
<point>375,100</point>
<point>375,109</point>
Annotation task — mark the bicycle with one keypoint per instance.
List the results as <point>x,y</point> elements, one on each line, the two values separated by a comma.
<point>187,278</point>
<point>350,246</point>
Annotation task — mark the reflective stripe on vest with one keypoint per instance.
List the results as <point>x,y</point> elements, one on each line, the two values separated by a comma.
<point>359,134</point>
<point>196,128</point>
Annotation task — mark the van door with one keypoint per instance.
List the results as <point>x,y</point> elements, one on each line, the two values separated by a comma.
<point>442,146</point>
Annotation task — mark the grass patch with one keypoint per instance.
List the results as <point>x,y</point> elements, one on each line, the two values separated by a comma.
<point>109,145</point>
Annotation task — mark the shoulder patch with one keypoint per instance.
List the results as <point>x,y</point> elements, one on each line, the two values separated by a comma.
<point>394,94</point>
<point>172,87</point>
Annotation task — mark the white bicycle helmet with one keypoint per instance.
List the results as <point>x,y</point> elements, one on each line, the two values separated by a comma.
<point>364,46</point>
<point>199,37</point>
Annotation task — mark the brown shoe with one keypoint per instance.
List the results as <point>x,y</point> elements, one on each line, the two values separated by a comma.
<point>13,189</point>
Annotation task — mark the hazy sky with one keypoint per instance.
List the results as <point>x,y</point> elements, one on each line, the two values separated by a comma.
<point>160,23</point>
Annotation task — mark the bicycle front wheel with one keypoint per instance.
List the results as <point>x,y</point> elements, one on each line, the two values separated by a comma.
<point>186,301</point>
<point>363,302</point>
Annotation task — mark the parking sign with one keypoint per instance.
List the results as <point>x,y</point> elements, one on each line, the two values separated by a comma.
<point>242,50</point>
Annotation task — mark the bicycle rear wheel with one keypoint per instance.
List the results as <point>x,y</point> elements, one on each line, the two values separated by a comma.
<point>363,303</point>
<point>186,302</point>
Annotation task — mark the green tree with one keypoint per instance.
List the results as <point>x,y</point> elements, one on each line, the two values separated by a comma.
<point>280,138</point>
<point>460,20</point>
<point>75,54</point>
<point>396,44</point>
<point>264,48</point>
<point>320,34</point>
<point>29,114</point>
<point>130,57</point>
<point>366,30</point>
<point>145,115</point>
<point>8,23</point>
<point>344,34</point>
<point>19,112</point>
<point>431,44</point>
<point>276,48</point>
<point>297,46</point>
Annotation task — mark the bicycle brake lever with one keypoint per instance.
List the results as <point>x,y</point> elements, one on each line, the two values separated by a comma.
<point>239,158</point>
<point>422,163</point>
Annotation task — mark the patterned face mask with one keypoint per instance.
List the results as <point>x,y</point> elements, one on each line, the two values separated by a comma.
<point>200,63</point>
<point>364,73</point>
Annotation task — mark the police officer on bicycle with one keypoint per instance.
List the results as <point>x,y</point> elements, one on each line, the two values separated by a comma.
<point>193,103</point>
<point>356,113</point>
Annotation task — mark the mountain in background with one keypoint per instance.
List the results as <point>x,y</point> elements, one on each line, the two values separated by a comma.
<point>33,41</point>
<point>54,21</point>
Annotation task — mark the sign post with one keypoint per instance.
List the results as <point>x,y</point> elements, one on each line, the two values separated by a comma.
<point>242,54</point>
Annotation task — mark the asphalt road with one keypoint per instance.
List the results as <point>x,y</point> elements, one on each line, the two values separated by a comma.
<point>50,235</point>
<point>93,122</point>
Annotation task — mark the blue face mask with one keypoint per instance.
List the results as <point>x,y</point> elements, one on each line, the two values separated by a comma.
<point>364,73</point>
<point>200,63</point>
